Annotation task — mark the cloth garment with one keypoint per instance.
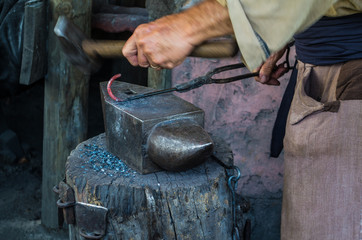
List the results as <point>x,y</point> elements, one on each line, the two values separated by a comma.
<point>323,154</point>
<point>331,40</point>
<point>263,27</point>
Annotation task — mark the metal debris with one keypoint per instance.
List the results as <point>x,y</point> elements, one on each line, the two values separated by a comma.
<point>104,162</point>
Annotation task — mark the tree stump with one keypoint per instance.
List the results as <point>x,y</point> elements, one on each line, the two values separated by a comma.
<point>194,204</point>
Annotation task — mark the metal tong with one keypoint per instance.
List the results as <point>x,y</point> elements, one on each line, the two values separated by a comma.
<point>195,83</point>
<point>200,81</point>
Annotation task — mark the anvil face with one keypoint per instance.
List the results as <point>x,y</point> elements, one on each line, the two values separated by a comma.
<point>128,124</point>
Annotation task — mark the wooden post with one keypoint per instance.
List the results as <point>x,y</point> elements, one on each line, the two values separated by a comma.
<point>65,105</point>
<point>159,79</point>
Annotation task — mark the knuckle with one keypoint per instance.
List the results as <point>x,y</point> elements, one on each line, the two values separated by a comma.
<point>169,65</point>
<point>141,28</point>
<point>147,51</point>
<point>141,43</point>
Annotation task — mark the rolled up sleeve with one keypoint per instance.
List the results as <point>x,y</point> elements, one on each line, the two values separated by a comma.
<point>222,2</point>
<point>263,27</point>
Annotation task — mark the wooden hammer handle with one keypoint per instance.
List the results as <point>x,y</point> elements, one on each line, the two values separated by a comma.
<point>216,49</point>
<point>103,48</point>
<point>113,49</point>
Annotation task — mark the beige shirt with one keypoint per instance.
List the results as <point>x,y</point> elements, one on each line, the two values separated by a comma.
<point>263,27</point>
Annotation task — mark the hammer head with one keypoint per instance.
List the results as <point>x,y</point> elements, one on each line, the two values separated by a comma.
<point>71,38</point>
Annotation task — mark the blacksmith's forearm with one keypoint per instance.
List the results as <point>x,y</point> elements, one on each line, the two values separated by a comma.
<point>206,20</point>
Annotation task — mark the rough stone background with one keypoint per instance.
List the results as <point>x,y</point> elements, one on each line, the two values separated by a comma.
<point>243,113</point>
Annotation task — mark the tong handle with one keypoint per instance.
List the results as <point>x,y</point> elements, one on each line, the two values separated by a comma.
<point>207,79</point>
<point>195,83</point>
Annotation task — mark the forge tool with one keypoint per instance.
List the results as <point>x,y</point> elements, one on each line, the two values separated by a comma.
<point>199,81</point>
<point>163,131</point>
<point>160,131</point>
<point>184,87</point>
<point>152,134</point>
<point>85,53</point>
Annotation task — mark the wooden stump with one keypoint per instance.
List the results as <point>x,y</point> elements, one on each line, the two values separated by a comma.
<point>195,204</point>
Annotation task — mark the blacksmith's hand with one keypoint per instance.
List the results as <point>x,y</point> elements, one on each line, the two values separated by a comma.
<point>269,71</point>
<point>166,42</point>
<point>162,44</point>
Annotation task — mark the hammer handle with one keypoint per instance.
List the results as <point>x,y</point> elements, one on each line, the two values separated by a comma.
<point>113,49</point>
<point>216,49</point>
<point>103,48</point>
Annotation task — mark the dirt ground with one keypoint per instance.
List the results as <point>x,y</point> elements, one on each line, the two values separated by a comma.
<point>20,201</point>
<point>20,183</point>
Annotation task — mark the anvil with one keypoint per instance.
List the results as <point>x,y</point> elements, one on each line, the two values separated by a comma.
<point>154,133</point>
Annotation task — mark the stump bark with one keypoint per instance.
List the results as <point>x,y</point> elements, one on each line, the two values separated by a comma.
<point>194,204</point>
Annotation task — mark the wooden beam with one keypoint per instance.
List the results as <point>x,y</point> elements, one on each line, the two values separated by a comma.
<point>159,79</point>
<point>65,105</point>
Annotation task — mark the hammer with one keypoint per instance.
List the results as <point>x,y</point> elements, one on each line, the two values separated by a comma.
<point>84,52</point>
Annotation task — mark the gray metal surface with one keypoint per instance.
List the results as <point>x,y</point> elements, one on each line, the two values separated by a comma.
<point>128,124</point>
<point>178,145</point>
<point>66,202</point>
<point>91,220</point>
